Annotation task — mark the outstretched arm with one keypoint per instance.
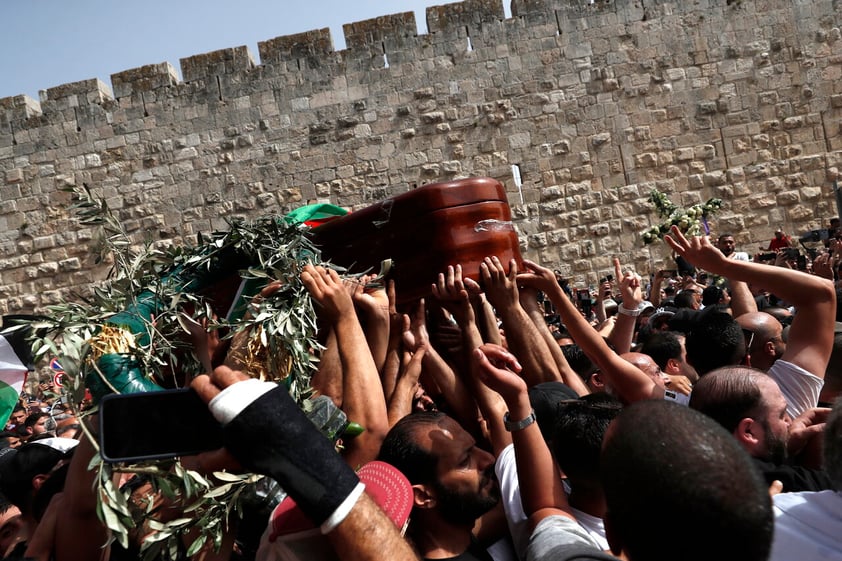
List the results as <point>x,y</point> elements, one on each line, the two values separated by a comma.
<point>529,301</point>
<point>363,400</point>
<point>291,450</point>
<point>623,333</point>
<point>373,304</point>
<point>522,336</point>
<point>630,383</point>
<point>541,491</point>
<point>810,338</point>
<point>451,288</point>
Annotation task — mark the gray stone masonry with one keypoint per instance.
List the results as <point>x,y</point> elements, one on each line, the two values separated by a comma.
<point>595,102</point>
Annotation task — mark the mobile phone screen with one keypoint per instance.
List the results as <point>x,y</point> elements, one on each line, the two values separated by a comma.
<point>154,425</point>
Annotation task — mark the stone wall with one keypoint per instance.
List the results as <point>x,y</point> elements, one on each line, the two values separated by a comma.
<point>595,103</point>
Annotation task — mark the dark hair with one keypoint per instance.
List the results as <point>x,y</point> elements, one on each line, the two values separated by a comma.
<point>545,398</point>
<point>579,361</point>
<point>715,340</point>
<point>684,299</point>
<point>33,418</point>
<point>30,460</point>
<point>579,430</point>
<point>662,346</point>
<point>727,395</point>
<point>400,447</point>
<point>5,504</point>
<point>666,462</point>
<point>711,295</point>
<point>683,320</point>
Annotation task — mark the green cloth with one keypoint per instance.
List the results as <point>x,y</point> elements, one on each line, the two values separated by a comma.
<point>315,212</point>
<point>123,372</point>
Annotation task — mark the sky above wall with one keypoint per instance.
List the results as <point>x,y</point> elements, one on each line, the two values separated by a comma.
<point>47,43</point>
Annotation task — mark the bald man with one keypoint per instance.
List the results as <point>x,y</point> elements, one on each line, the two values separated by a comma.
<point>764,338</point>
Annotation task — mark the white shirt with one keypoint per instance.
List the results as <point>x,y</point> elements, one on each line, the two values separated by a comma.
<point>808,526</point>
<point>506,470</point>
<point>800,388</point>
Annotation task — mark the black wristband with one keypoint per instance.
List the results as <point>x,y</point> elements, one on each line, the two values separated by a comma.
<point>274,437</point>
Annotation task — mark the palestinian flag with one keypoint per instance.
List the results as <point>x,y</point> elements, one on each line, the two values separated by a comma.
<point>15,356</point>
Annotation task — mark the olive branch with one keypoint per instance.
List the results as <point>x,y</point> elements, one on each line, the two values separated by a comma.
<point>278,335</point>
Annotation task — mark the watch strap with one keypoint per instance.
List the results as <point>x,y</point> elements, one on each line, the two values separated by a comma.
<point>518,425</point>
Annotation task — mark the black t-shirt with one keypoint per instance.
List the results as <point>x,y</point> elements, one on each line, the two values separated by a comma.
<point>794,478</point>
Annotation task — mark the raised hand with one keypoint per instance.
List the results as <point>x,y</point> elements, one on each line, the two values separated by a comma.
<point>328,290</point>
<point>629,285</point>
<point>697,250</point>
<point>537,277</point>
<point>500,287</point>
<point>450,290</point>
<point>371,299</point>
<point>498,369</point>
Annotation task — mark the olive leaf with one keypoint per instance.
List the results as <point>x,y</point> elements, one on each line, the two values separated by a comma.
<point>277,339</point>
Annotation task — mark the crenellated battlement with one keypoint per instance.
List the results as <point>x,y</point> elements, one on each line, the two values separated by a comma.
<point>144,79</point>
<point>580,108</point>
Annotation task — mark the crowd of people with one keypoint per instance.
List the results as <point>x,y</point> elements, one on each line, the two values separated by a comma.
<point>511,417</point>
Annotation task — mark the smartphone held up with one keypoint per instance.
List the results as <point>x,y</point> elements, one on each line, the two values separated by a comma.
<point>156,425</point>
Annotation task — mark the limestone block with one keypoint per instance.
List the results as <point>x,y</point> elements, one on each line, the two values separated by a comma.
<point>788,198</point>
<point>14,175</point>
<point>144,79</point>
<point>810,193</point>
<point>799,213</point>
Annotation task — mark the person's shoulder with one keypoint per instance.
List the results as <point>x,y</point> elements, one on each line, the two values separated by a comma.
<point>786,501</point>
<point>579,553</point>
<point>794,478</point>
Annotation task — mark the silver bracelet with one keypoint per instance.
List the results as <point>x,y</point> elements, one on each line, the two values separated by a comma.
<point>627,312</point>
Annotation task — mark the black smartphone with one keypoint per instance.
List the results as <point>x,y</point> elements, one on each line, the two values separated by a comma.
<point>142,426</point>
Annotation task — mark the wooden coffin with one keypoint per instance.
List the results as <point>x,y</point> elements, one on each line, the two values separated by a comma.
<point>422,232</point>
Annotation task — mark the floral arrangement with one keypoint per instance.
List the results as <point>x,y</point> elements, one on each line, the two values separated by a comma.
<point>691,221</point>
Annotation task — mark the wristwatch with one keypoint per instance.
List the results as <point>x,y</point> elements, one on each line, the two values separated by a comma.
<point>518,425</point>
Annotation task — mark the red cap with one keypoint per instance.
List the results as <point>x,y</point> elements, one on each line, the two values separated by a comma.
<point>387,486</point>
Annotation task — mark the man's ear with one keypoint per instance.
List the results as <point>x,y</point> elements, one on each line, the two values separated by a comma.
<point>769,348</point>
<point>673,366</point>
<point>597,381</point>
<point>423,497</point>
<point>38,480</point>
<point>749,433</point>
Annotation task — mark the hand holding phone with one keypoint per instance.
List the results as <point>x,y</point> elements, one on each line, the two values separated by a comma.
<point>136,427</point>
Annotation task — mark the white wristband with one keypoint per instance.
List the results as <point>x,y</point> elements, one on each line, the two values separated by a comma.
<point>343,509</point>
<point>627,312</point>
<point>231,401</point>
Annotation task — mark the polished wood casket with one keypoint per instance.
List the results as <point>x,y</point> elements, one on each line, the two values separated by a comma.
<point>423,231</point>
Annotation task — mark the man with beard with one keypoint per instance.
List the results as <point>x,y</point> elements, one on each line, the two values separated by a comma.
<point>453,481</point>
<point>750,405</point>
